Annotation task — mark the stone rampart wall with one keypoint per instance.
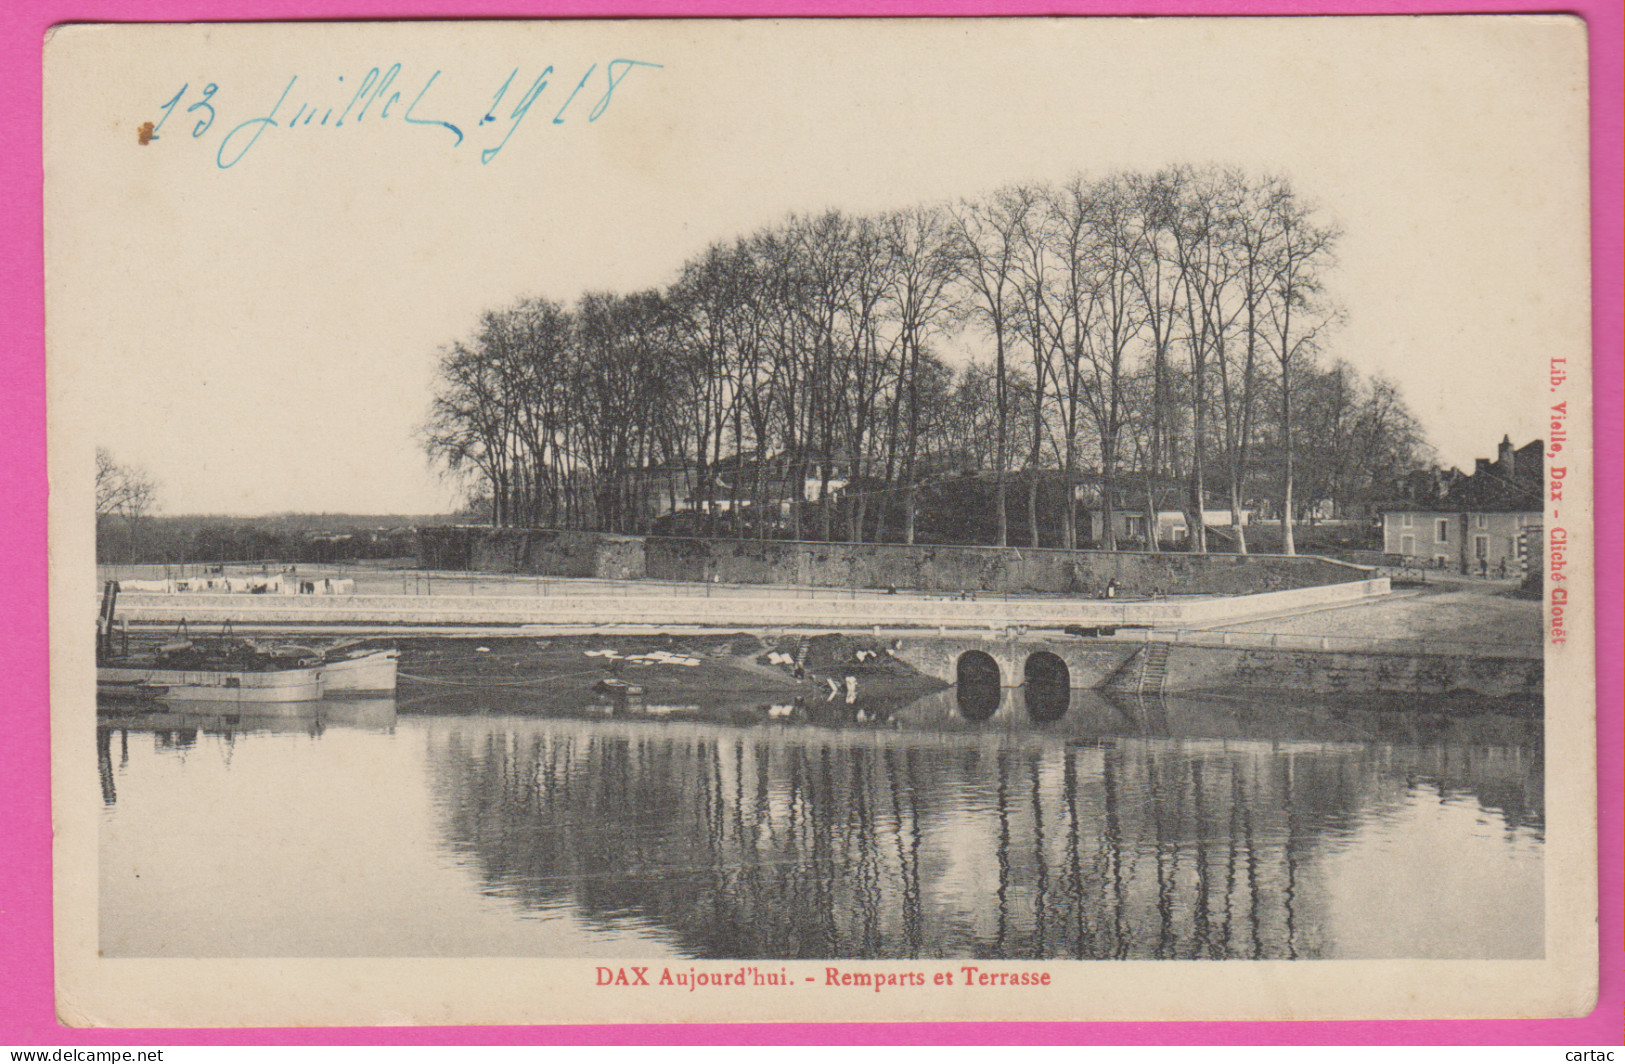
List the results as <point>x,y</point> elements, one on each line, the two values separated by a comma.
<point>984,569</point>
<point>1353,674</point>
<point>554,553</point>
<point>953,570</point>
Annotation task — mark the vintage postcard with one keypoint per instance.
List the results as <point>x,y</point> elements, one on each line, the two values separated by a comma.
<point>772,520</point>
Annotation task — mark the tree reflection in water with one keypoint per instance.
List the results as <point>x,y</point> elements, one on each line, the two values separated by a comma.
<point>987,842</point>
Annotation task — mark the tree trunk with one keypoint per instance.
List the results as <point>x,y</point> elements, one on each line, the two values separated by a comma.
<point>1236,524</point>
<point>1108,508</point>
<point>1288,543</point>
<point>1032,505</point>
<point>1153,540</point>
<point>1197,519</point>
<point>999,509</point>
<point>1069,513</point>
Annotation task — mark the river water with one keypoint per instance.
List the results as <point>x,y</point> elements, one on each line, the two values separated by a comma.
<point>1147,829</point>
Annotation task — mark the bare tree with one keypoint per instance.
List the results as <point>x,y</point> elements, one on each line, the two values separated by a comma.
<point>1073,239</point>
<point>1239,367</point>
<point>1205,231</point>
<point>1301,249</point>
<point>1036,276</point>
<point>925,258</point>
<point>710,300</point>
<point>989,235</point>
<point>1150,305</point>
<point>868,362</point>
<point>125,493</point>
<point>1101,349</point>
<point>1359,439</point>
<point>1159,284</point>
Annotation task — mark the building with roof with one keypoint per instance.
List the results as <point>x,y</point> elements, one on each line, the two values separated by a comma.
<point>1167,499</point>
<point>779,481</point>
<point>1478,523</point>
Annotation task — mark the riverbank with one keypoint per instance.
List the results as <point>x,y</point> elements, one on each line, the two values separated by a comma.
<point>1461,615</point>
<point>748,677</point>
<point>1476,646</point>
<point>694,675</point>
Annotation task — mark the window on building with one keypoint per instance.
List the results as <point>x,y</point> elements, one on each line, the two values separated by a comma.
<point>1482,520</point>
<point>1443,535</point>
<point>1404,520</point>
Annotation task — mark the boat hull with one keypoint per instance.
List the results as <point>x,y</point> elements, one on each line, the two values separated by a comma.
<point>201,685</point>
<point>369,673</point>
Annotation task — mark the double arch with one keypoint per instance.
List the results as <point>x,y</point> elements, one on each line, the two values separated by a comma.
<point>978,683</point>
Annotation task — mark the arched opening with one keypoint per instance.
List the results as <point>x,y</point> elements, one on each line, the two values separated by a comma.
<point>977,685</point>
<point>1048,687</point>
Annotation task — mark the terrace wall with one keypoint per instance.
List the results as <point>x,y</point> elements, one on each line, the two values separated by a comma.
<point>542,551</point>
<point>985,569</point>
<point>949,569</point>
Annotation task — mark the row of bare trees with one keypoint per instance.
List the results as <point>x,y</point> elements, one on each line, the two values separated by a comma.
<point>1127,333</point>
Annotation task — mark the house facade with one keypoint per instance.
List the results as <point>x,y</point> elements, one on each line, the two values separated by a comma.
<point>1171,524</point>
<point>665,488</point>
<point>1167,502</point>
<point>781,481</point>
<point>1479,523</point>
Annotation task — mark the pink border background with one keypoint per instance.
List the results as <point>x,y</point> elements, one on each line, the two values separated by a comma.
<point>27,1016</point>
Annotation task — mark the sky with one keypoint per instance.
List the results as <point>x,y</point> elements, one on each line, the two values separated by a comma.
<point>252,314</point>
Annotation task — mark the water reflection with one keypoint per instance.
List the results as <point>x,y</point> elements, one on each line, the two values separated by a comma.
<point>178,725</point>
<point>797,844</point>
<point>1127,828</point>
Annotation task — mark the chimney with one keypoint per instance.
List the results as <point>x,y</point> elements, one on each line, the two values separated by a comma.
<point>1480,466</point>
<point>1509,458</point>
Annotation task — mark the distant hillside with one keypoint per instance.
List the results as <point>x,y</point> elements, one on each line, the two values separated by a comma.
<point>317,522</point>
<point>286,537</point>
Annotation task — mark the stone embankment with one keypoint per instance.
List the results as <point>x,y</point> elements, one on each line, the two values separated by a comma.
<point>760,609</point>
<point>950,569</point>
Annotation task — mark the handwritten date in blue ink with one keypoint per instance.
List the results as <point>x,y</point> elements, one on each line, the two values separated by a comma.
<point>385,94</point>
